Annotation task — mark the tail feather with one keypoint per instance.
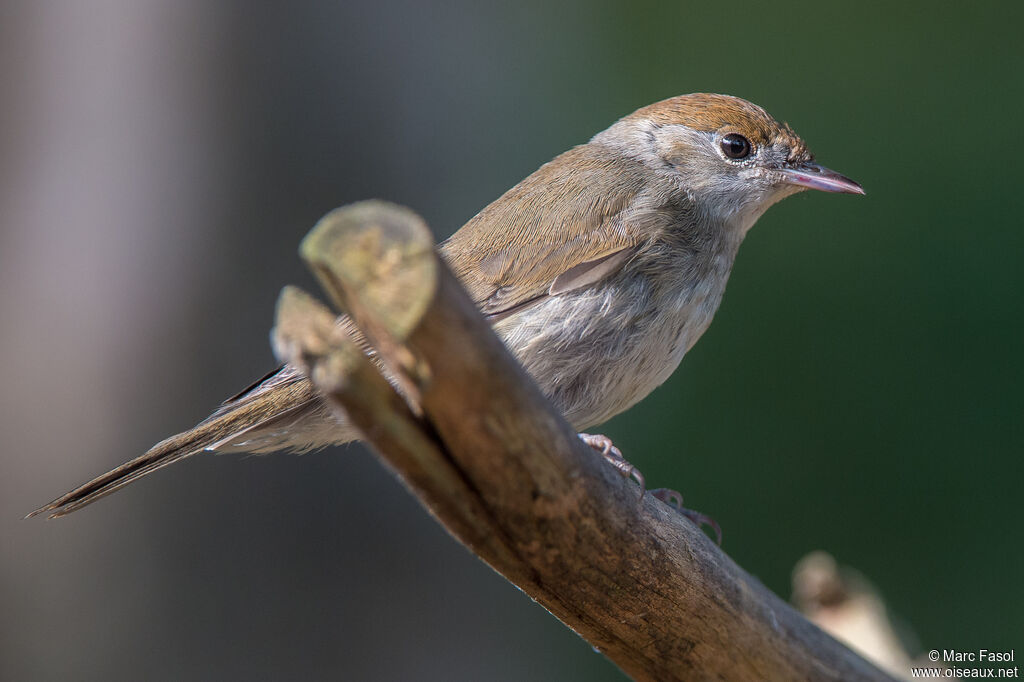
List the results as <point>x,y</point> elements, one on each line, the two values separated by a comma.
<point>241,414</point>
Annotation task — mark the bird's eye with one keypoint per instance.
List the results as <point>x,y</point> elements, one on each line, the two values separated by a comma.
<point>735,146</point>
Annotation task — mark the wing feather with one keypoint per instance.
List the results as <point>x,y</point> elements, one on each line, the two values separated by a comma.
<point>553,232</point>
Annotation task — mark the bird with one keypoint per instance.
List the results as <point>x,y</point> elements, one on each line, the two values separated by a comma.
<point>599,271</point>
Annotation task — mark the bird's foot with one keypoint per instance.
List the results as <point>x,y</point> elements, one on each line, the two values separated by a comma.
<point>603,444</point>
<point>673,499</point>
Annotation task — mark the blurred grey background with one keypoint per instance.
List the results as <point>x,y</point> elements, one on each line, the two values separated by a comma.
<point>859,391</point>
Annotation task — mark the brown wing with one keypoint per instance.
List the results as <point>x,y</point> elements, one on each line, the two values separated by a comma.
<point>553,228</point>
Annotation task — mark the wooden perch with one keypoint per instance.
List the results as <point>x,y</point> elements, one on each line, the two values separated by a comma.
<point>456,417</point>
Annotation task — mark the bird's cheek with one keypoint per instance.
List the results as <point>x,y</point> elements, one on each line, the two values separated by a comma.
<point>678,161</point>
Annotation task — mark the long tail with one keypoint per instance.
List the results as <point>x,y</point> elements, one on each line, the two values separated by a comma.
<point>265,403</point>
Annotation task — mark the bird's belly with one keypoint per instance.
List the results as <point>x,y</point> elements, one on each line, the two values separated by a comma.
<point>599,351</point>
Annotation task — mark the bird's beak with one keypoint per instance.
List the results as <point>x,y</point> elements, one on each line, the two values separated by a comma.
<point>813,176</point>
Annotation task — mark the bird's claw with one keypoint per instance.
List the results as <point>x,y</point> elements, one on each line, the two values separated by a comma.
<point>674,499</point>
<point>603,444</point>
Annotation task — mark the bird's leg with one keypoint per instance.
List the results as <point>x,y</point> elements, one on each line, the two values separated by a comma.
<point>613,455</point>
<point>673,499</point>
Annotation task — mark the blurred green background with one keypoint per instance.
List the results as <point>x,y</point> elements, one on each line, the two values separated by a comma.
<point>859,391</point>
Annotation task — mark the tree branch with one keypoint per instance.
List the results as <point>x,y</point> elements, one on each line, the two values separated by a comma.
<point>454,415</point>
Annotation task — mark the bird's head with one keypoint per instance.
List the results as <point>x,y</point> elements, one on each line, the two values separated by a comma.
<point>730,156</point>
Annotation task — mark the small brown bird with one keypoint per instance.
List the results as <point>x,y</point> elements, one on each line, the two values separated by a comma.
<point>599,271</point>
